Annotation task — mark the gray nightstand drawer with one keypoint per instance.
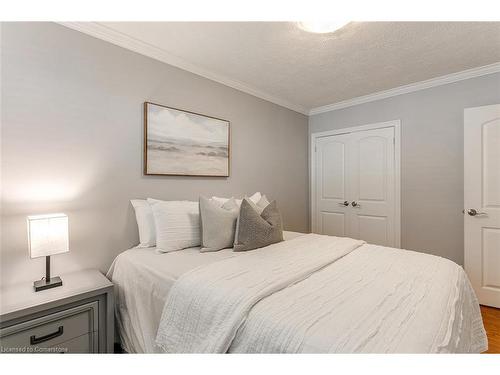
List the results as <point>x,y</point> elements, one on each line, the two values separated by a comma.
<point>81,344</point>
<point>72,330</point>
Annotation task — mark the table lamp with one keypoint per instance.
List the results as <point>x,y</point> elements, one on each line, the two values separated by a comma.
<point>47,235</point>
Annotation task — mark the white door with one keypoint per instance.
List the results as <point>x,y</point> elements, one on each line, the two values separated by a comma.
<point>331,187</point>
<point>482,201</point>
<point>355,186</point>
<point>372,186</point>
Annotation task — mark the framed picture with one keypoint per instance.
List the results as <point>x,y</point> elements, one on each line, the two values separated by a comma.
<point>183,143</point>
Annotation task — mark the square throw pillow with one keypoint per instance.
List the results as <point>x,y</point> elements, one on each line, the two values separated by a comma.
<point>258,230</point>
<point>177,224</point>
<point>145,222</point>
<point>218,224</point>
<point>255,206</point>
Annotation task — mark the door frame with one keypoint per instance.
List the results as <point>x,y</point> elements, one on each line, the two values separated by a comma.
<point>313,137</point>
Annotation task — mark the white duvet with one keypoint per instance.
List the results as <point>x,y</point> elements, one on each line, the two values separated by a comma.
<point>323,294</point>
<point>142,278</point>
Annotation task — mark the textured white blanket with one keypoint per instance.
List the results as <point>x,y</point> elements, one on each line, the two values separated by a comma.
<point>323,294</point>
<point>207,305</point>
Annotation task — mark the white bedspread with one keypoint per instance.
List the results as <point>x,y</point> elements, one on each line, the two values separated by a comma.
<point>323,294</point>
<point>142,279</point>
<point>206,306</point>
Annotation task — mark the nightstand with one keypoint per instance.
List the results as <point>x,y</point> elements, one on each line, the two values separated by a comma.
<point>77,317</point>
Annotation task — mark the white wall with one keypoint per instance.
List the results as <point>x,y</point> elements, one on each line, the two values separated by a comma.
<point>431,157</point>
<point>72,142</point>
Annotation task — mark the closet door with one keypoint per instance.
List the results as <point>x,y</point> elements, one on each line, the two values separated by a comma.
<point>372,186</point>
<point>331,186</point>
<point>354,186</point>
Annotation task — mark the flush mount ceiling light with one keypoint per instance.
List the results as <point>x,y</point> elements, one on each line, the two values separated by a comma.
<point>322,27</point>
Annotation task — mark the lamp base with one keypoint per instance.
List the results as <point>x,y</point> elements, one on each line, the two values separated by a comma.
<point>44,284</point>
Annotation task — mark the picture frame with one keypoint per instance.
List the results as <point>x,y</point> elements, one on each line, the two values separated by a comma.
<point>178,142</point>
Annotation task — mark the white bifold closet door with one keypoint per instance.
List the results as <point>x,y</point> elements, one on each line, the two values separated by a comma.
<point>354,186</point>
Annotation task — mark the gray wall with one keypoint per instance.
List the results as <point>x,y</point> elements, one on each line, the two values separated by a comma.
<point>431,157</point>
<point>72,142</point>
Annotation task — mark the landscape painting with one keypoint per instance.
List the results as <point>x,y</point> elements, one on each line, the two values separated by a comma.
<point>178,142</point>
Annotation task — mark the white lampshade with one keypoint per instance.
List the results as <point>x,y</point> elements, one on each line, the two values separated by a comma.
<point>48,235</point>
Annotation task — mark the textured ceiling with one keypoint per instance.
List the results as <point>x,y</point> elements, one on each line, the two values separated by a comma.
<point>312,70</point>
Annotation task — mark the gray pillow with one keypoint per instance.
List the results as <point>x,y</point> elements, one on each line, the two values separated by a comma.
<point>259,206</point>
<point>258,230</point>
<point>218,224</point>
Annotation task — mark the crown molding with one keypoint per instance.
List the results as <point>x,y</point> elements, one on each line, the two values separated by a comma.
<point>103,32</point>
<point>412,87</point>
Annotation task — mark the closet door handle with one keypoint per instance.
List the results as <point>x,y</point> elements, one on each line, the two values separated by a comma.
<point>345,203</point>
<point>37,340</point>
<point>355,204</point>
<point>474,212</point>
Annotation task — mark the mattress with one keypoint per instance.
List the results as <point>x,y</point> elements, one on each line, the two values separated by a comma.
<point>143,278</point>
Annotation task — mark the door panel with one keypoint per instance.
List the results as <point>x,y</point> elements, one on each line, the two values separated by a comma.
<point>482,193</point>
<point>333,223</point>
<point>333,155</point>
<point>372,159</point>
<point>372,229</point>
<point>491,160</point>
<point>491,258</point>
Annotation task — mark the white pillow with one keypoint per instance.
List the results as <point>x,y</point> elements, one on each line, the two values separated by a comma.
<point>145,222</point>
<point>220,201</point>
<point>263,202</point>
<point>254,198</point>
<point>177,224</point>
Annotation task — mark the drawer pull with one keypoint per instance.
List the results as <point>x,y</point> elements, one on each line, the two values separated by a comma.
<point>37,340</point>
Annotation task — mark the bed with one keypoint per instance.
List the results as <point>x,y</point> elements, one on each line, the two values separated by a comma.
<point>308,294</point>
